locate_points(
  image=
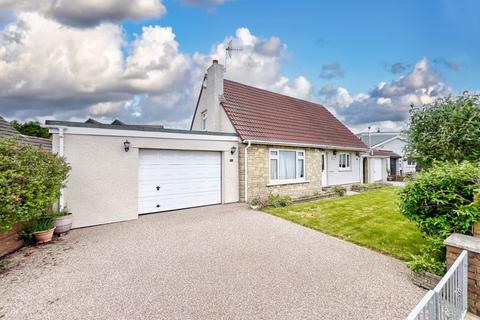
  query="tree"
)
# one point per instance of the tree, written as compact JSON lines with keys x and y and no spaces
{"x":446,"y":130}
{"x":31,"y":128}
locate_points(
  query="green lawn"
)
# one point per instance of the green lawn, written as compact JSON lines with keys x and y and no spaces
{"x":370,"y":219}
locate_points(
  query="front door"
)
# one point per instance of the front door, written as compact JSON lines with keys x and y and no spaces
{"x":323,"y":161}
{"x":393,"y":166}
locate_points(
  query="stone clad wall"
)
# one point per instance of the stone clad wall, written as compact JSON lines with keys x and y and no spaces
{"x":258,"y":173}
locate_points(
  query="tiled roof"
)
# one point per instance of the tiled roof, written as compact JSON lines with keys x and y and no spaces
{"x":262,"y":115}
{"x":384,"y":153}
{"x":7,"y":131}
{"x":378,"y":137}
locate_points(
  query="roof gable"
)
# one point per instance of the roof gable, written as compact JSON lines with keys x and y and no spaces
{"x":378,"y":138}
{"x":266,"y":116}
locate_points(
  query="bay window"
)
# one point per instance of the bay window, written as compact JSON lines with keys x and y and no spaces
{"x":287,"y":165}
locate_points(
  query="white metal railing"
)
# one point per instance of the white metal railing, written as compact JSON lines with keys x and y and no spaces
{"x":448,"y":300}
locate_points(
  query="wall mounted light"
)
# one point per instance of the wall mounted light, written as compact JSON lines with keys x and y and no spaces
{"x":126,"y":145}
{"x":233,"y":149}
{"x":334,"y":152}
{"x":357,"y":153}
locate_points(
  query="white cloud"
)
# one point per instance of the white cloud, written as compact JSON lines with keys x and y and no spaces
{"x":258,"y":63}
{"x":387,"y":104}
{"x":47,"y":68}
{"x":52,"y":70}
{"x":87,"y":13}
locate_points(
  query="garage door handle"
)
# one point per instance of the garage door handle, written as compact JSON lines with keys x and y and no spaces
{"x":158,"y":188}
{"x":158,"y":206}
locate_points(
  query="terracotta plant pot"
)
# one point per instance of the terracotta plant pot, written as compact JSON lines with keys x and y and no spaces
{"x":44,"y":236}
{"x":63,"y":223}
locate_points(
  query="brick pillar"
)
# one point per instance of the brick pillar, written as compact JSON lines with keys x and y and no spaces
{"x":476,"y":229}
{"x":456,"y":243}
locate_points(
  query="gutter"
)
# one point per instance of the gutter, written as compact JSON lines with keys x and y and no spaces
{"x":245,"y":166}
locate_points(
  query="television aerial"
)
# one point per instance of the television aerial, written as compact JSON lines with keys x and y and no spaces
{"x":228,"y":52}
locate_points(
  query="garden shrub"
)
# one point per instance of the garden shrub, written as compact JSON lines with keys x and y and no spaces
{"x":276,"y":200}
{"x":358,"y":187}
{"x":441,"y":201}
{"x":340,"y":190}
{"x":30,"y":181}
{"x":260,"y":201}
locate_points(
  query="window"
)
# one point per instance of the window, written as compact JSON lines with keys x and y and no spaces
{"x":204,"y":120}
{"x":410,"y":163}
{"x":287,"y":165}
{"x":344,"y":161}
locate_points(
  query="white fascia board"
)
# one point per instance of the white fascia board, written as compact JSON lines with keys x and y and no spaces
{"x":305,"y":145}
{"x":139,"y":133}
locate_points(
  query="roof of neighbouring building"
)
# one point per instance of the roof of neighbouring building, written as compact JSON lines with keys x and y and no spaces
{"x":261,"y":115}
{"x":384,"y":153}
{"x":117,"y":122}
{"x":377,"y":138}
{"x":134,"y":127}
{"x":7,"y":131}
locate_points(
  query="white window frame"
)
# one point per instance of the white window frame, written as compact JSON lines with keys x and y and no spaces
{"x":411,"y":163}
{"x":347,"y":156}
{"x":299,"y":155}
{"x":204,"y":120}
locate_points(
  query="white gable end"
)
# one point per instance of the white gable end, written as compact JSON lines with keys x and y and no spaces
{"x":209,"y":114}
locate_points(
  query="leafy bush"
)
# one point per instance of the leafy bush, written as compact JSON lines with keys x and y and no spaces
{"x":30,"y":181}
{"x":446,"y":130}
{"x":441,"y":200}
{"x":431,"y":258}
{"x":276,"y":200}
{"x":340,"y":190}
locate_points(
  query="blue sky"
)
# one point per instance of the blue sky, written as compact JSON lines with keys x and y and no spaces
{"x":361,"y":35}
{"x":367,"y":61}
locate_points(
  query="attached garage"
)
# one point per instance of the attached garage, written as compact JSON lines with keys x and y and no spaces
{"x":121,"y":171}
{"x":176,"y":179}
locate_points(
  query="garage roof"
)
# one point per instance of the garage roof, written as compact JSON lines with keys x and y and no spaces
{"x":148,"y":128}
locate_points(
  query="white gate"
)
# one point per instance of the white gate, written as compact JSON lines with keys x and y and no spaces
{"x":448,"y":300}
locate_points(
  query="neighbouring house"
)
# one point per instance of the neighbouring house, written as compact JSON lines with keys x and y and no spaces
{"x":398,"y":164}
{"x":243,"y":142}
{"x":377,"y":165}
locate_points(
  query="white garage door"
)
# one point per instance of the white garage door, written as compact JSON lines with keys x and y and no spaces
{"x":170,"y":179}
{"x":377,"y":169}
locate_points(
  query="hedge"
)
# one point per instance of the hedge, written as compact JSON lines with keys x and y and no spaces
{"x":30,"y":181}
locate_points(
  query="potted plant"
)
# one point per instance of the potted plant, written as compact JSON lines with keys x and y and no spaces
{"x":63,"y":221}
{"x":42,"y":228}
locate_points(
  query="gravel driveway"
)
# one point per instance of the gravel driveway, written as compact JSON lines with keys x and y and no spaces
{"x":219,"y":262}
